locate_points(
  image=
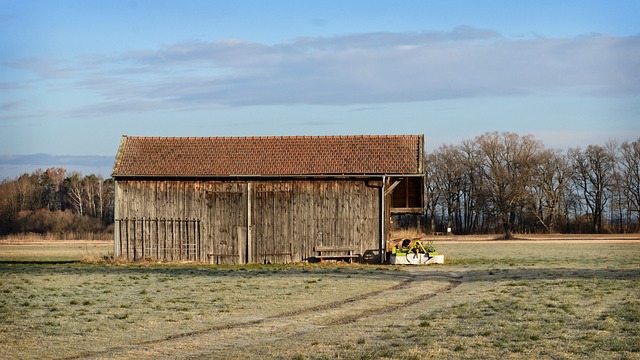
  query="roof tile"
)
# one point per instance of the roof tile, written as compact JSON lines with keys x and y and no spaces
{"x":269,"y":155}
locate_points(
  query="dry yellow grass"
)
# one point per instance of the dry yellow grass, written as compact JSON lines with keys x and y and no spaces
{"x":407,"y":234}
{"x":58,"y":251}
{"x":48,"y":237}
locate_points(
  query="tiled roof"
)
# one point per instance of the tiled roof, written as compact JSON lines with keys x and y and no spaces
{"x":269,"y":156}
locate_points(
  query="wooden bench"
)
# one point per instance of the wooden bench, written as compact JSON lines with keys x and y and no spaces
{"x":336,"y":252}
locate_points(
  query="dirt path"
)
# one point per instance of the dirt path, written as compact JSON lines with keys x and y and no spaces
{"x":221,"y":341}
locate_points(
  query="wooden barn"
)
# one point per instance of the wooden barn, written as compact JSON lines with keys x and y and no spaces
{"x":238,"y":200}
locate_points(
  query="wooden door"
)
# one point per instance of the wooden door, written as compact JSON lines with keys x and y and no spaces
{"x":272,"y":223}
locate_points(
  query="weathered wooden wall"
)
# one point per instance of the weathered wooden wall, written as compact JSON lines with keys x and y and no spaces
{"x":199,"y":219}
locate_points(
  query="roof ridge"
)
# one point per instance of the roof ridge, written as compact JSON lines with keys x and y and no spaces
{"x":347,"y":136}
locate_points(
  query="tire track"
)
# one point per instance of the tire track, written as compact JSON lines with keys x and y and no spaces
{"x":290,"y":318}
{"x":244,"y":324}
{"x":383,"y":310}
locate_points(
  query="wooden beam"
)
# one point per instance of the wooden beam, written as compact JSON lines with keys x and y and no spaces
{"x":393,"y":186}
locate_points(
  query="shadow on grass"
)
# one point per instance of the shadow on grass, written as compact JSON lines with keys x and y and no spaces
{"x":378,"y":271}
{"x":550,"y":274}
{"x":184,"y":270}
{"x":39,"y":262}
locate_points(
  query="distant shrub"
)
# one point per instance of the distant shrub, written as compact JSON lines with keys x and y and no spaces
{"x":44,"y":221}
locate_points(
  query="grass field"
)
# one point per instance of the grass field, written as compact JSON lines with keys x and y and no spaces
{"x":519,"y":299}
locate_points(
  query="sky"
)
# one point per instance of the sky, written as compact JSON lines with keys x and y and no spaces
{"x":77,"y":75}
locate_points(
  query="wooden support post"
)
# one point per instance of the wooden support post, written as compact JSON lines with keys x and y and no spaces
{"x":249,"y":222}
{"x":135,"y":245}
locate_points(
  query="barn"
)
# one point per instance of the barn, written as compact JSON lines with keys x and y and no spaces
{"x":271,"y":199}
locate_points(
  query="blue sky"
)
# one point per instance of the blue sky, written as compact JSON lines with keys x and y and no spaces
{"x":76,"y":75}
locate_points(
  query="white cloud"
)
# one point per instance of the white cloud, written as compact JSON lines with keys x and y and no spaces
{"x":44,"y":68}
{"x":371,"y":68}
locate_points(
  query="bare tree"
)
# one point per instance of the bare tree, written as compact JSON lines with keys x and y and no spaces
{"x":51,"y":181}
{"x":28,"y":191}
{"x":9,"y":207}
{"x":431,"y":193}
{"x":630,"y":174}
{"x":473,"y":199}
{"x":76,"y":193}
{"x":40,"y":202}
{"x":108,"y":200}
{"x":593,"y":171}
{"x":509,"y":162}
{"x":93,"y":195}
{"x":448,"y":175}
{"x":100,"y":193}
{"x":550,"y":181}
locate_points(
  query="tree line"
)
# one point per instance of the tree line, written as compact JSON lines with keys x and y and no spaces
{"x":495,"y":183}
{"x":52,"y":201}
{"x":504,"y":183}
